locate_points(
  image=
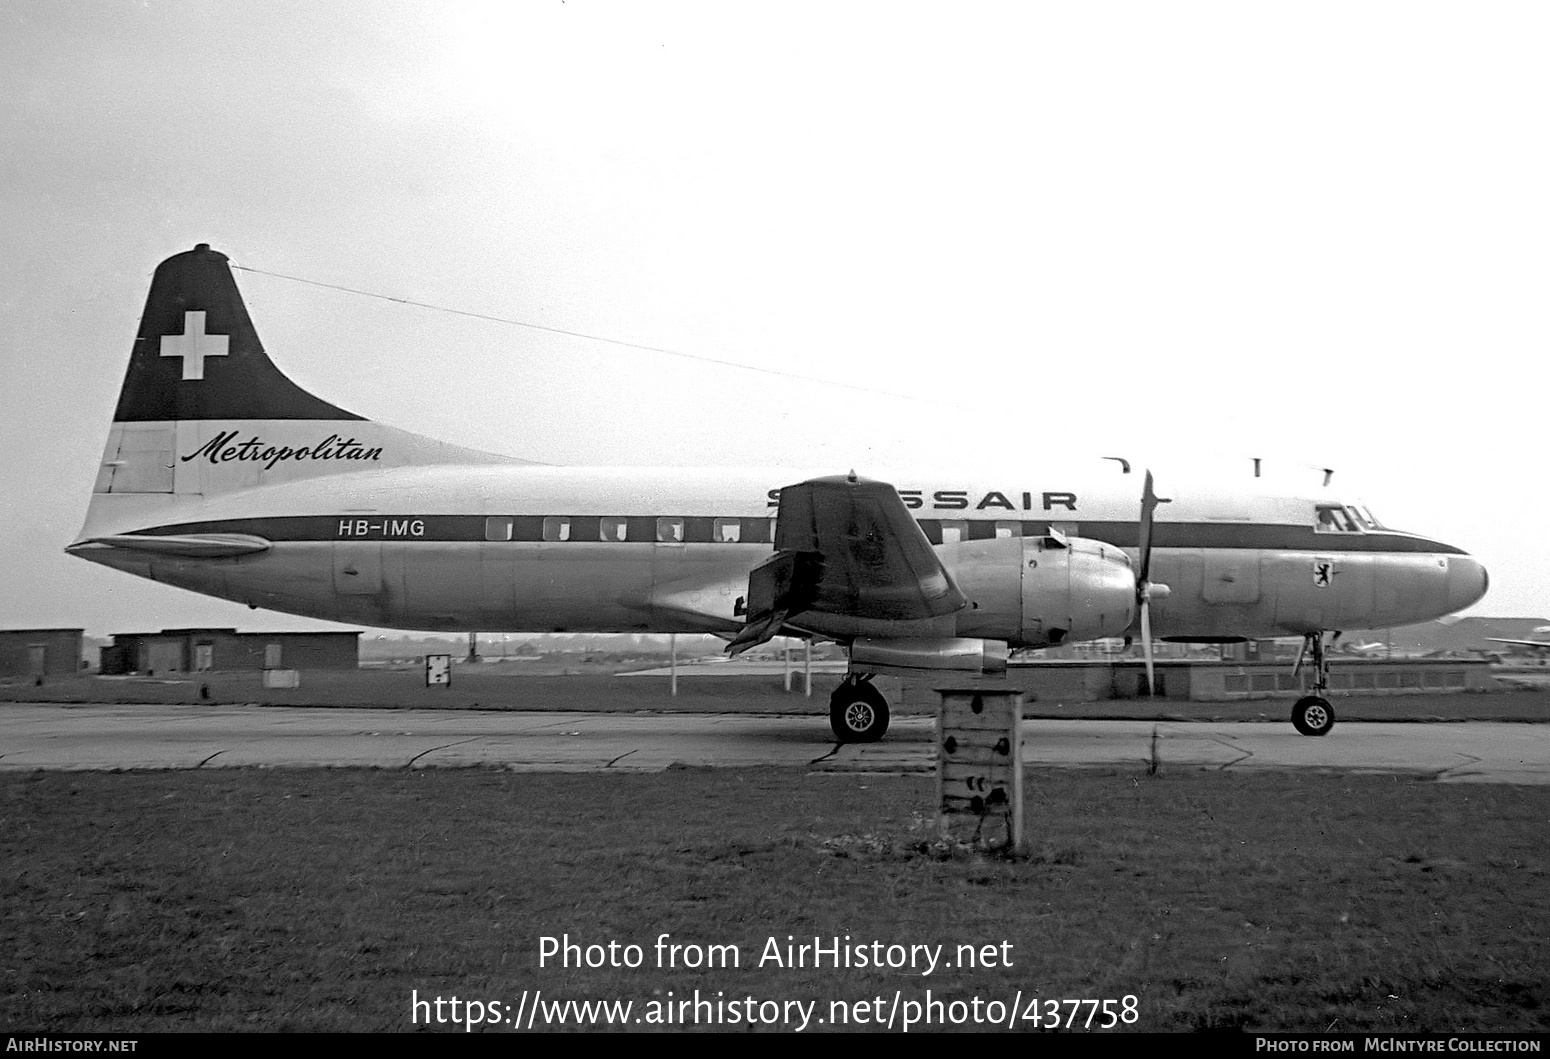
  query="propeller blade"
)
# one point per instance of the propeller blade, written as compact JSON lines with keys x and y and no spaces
{"x":1144,"y":587}
{"x":1146,"y":644}
{"x":1149,"y":503}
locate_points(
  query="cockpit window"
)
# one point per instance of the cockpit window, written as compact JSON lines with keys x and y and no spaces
{"x":1332,"y":518}
{"x":1367,"y":518}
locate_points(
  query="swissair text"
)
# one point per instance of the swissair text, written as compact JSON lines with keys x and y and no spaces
{"x":958,"y":500}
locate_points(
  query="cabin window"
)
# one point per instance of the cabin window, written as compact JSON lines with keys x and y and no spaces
{"x":952,"y":531}
{"x":556,"y":528}
{"x":1009,"y":529}
{"x":498,"y":528}
{"x":727,"y":530}
{"x":612,"y":528}
{"x":670,"y":530}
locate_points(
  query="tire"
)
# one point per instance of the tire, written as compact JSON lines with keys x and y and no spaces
{"x":858,"y":713}
{"x":1313,"y":715}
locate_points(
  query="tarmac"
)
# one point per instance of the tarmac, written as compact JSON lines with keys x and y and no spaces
{"x":117,"y":737}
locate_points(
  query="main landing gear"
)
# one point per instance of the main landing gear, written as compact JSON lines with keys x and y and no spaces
{"x":1312,"y":714}
{"x":858,"y":713}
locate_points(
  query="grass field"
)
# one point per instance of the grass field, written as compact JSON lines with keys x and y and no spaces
{"x":292,"y":899}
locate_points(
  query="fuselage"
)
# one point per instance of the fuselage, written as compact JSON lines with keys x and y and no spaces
{"x":505,"y":548}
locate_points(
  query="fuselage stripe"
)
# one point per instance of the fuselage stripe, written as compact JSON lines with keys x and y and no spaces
{"x":707,"y":529}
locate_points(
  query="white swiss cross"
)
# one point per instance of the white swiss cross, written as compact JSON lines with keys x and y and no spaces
{"x":193,"y":345}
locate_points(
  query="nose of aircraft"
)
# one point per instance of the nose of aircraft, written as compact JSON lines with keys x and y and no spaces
{"x":1467,"y":582}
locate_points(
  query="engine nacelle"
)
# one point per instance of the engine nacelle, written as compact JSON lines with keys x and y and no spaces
{"x":960,"y":653}
{"x":1084,"y":590}
{"x":1041,"y":591}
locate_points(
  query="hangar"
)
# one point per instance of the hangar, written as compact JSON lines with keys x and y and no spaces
{"x":40,"y":652}
{"x":202,"y":650}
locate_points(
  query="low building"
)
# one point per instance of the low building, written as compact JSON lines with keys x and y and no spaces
{"x":204,"y":650}
{"x":40,"y":652}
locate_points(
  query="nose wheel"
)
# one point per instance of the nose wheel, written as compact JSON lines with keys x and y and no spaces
{"x":1313,"y":715}
{"x":858,"y":713}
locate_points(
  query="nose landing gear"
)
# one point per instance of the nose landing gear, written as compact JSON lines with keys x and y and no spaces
{"x":1312,"y":714}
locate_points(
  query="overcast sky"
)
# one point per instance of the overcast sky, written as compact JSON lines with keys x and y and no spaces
{"x":1314,"y":233}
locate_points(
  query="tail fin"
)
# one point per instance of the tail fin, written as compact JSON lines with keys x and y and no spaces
{"x":197,"y":356}
{"x":204,"y":411}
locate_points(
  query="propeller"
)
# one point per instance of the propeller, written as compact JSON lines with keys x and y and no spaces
{"x":1145,"y":590}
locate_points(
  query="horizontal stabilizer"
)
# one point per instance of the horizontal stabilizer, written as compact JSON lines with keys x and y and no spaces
{"x":188,"y":546}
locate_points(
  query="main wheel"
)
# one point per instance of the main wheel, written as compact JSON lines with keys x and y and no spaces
{"x":1313,"y":715}
{"x":858,"y":713}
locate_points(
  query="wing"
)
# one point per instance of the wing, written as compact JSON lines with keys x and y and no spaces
{"x":846,"y":546}
{"x":1521,"y":643}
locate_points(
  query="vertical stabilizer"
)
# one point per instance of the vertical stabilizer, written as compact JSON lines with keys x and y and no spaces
{"x":204,"y":411}
{"x":198,"y":357}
